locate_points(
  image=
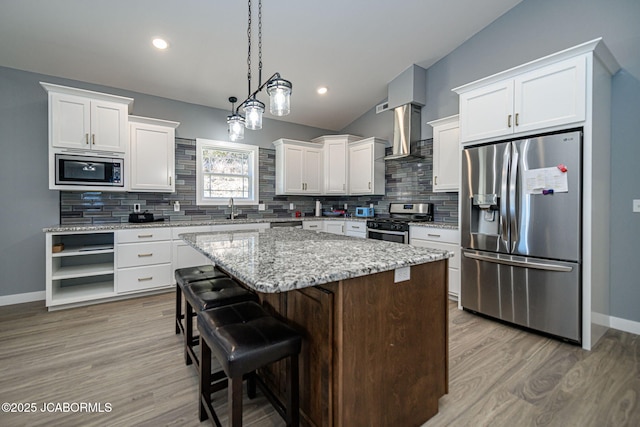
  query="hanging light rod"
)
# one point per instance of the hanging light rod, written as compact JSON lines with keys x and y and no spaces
{"x":279,"y":91}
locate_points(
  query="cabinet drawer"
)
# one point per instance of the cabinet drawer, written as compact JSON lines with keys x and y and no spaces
{"x":137,"y":254}
{"x":436,"y":234}
{"x":312,"y":225}
{"x":356,"y":227}
{"x":143,"y":235}
{"x":144,"y":278}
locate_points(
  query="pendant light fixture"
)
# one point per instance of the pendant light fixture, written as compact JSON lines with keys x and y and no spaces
{"x":235,"y":122}
{"x":278,"y":89}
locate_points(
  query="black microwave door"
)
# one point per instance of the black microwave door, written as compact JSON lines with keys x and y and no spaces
{"x":83,"y":171}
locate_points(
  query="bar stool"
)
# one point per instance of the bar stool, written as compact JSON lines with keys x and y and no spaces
{"x":191,"y":274}
{"x":243,"y":338}
{"x":204,"y":295}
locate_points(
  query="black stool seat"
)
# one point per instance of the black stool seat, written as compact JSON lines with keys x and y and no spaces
{"x":193,"y":274}
{"x":244,"y":337}
{"x":212,"y":293}
{"x":205,"y":295}
{"x":187,"y":275}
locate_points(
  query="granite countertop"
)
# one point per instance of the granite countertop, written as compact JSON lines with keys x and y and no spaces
{"x":279,"y":260}
{"x":61,"y":228}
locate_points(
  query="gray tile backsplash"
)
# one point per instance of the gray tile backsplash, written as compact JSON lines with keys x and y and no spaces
{"x":406,"y":180}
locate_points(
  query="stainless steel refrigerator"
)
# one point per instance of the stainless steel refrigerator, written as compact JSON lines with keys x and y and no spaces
{"x":521,"y":232}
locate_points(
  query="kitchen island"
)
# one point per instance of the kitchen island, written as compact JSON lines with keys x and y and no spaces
{"x":373,"y":316}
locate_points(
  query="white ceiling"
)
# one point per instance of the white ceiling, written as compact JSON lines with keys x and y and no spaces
{"x":354,"y":47}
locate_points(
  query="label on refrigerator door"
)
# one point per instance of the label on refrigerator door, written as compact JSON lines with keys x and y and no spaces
{"x":539,"y":180}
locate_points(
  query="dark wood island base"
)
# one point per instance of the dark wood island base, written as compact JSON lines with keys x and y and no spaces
{"x":374,"y":353}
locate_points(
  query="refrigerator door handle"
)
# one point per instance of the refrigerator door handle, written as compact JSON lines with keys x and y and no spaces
{"x":515,"y":263}
{"x":504,"y":231}
{"x":513,"y":201}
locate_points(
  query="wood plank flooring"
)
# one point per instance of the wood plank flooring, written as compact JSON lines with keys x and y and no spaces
{"x":126,"y":354}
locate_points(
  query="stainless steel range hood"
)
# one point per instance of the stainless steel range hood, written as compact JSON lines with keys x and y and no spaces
{"x":406,"y":129}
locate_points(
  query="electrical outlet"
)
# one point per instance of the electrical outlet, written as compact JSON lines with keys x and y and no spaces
{"x":291,"y":206}
{"x":636,"y":205}
{"x":261,"y":207}
{"x":346,"y":207}
{"x":176,"y":206}
{"x":136,"y":207}
{"x":401,"y":274}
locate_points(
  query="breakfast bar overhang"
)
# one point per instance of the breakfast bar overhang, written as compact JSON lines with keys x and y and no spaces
{"x":373,"y":315}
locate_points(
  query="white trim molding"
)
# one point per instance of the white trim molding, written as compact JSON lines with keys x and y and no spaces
{"x":22,"y":298}
{"x":625,"y":325}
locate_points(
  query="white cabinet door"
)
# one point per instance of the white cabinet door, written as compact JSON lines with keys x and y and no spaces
{"x":293,"y":169}
{"x":487,"y":112}
{"x":312,"y":173}
{"x":312,"y":225}
{"x":152,"y":165}
{"x":108,"y":126}
{"x":446,"y":154}
{"x":445,"y":239}
{"x":542,"y":98}
{"x":356,"y":229}
{"x":367,"y":167}
{"x":70,"y":121}
{"x":334,"y":227}
{"x":360,"y":169}
{"x":335,"y":170}
{"x":551,"y":96}
{"x":298,"y":167}
{"x":87,"y":124}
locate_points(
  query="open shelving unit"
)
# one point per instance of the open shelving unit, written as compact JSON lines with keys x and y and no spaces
{"x":83,"y":271}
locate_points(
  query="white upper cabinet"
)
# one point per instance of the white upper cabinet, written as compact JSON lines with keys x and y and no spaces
{"x":152,"y":154}
{"x":298,"y":167}
{"x":446,"y":154}
{"x":366,"y":167}
{"x":87,"y":121}
{"x":542,"y":98}
{"x":336,"y":162}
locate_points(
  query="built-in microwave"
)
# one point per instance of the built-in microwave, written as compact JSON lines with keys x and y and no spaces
{"x":89,"y":171}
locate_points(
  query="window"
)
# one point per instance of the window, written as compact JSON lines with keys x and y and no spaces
{"x":225,"y":170}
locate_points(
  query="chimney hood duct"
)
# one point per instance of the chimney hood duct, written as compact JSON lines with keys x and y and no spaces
{"x":407,"y":95}
{"x":406,"y":129}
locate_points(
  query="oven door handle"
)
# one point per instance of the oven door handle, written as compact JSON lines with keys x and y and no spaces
{"x":397,"y":233}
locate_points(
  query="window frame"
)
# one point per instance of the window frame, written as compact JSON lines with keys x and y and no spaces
{"x":254,"y":166}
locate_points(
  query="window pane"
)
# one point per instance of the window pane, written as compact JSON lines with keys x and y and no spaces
{"x":225,"y":162}
{"x":227,"y":186}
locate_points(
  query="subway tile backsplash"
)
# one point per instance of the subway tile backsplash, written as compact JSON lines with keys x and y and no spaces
{"x":406,"y":180}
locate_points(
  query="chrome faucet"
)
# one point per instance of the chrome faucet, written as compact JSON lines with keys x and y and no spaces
{"x":232,"y":206}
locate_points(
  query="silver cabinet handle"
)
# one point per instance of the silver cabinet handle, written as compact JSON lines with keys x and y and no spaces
{"x":145,"y":279}
{"x":369,"y":185}
{"x":509,"y":120}
{"x":144,"y":255}
{"x":435,"y":180}
{"x":517,"y":123}
{"x":93,"y":138}
{"x":144,"y":236}
{"x":86,"y":138}
{"x":433,"y":235}
{"x":355,"y":227}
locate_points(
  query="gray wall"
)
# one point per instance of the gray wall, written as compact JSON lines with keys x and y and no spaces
{"x":27,"y":204}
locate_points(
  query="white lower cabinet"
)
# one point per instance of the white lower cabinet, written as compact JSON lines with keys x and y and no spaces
{"x":356,"y":229}
{"x":445,"y":239}
{"x":82,"y":268}
{"x":334,"y":227}
{"x":143,"y":259}
{"x":184,"y":255}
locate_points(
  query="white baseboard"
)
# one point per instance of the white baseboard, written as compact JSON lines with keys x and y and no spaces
{"x":625,"y":325}
{"x":22,"y":298}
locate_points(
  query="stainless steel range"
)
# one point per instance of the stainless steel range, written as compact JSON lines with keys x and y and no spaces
{"x":396,"y":227}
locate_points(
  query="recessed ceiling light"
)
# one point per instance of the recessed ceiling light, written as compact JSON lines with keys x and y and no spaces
{"x":322,"y":90}
{"x":160,"y":43}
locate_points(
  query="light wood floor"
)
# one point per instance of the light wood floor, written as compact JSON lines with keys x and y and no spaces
{"x":127,"y":355}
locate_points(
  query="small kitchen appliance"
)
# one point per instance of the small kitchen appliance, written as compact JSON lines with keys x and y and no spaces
{"x":396,"y":227}
{"x":364,"y":212}
{"x":92,"y":171}
{"x":143,"y":217}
